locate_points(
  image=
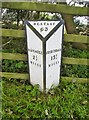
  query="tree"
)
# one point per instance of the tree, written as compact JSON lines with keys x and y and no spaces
{"x":71,"y":27}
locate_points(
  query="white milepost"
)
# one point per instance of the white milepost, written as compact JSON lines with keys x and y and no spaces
{"x":44,"y":46}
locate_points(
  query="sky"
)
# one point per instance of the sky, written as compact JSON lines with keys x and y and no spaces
{"x":83,"y":19}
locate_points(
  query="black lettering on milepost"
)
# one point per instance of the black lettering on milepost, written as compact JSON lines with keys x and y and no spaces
{"x":54,"y":57}
{"x":35,"y":57}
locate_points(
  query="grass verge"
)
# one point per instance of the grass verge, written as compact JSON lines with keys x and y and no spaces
{"x":68,"y":101}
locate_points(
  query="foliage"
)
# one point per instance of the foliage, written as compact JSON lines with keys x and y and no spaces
{"x":16,"y":45}
{"x":66,"y":101}
{"x":69,"y":51}
{"x":79,"y":71}
{"x":14,"y":66}
{"x":11,"y":18}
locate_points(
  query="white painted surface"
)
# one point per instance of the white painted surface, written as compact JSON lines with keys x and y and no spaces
{"x":35,"y":59}
{"x":53,"y":53}
{"x":53,"y":60}
{"x":44,"y":27}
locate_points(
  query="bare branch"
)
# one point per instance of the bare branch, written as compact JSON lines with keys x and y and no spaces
{"x":5,"y":44}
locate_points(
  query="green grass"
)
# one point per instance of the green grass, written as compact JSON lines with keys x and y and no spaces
{"x":68,"y":101}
